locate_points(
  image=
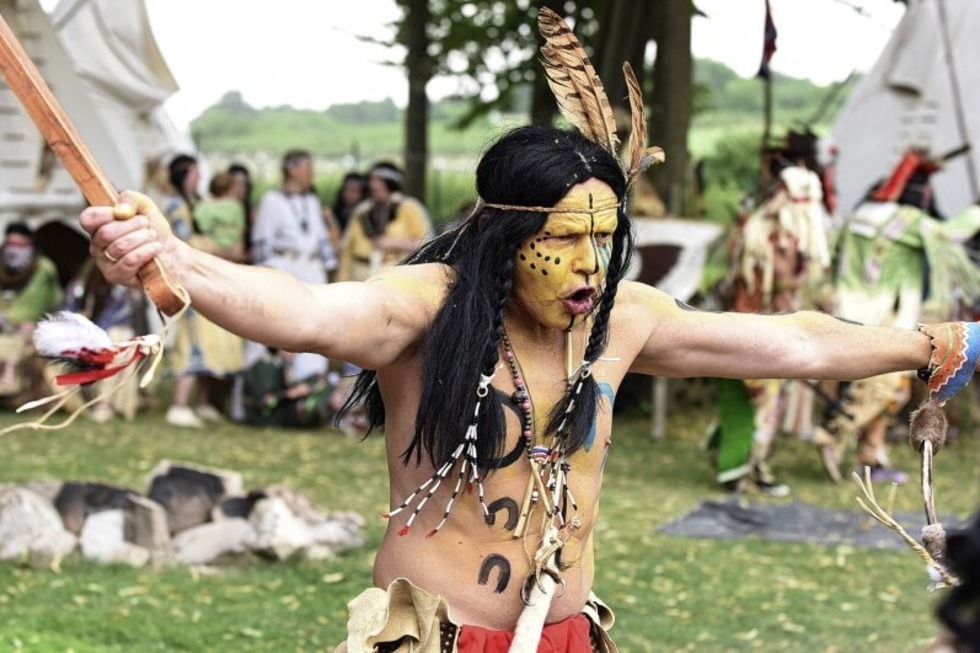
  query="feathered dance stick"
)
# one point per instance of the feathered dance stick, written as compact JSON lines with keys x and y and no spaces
{"x":88,"y":355}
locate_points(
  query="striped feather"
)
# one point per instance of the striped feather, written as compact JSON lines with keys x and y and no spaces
{"x":573,"y":80}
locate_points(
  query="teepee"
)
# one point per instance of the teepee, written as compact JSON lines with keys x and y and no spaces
{"x":101,"y":61}
{"x":924,"y":91}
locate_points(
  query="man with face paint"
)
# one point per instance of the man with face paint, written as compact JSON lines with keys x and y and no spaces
{"x":516,"y":329}
{"x":29,"y":288}
{"x":491,"y":360}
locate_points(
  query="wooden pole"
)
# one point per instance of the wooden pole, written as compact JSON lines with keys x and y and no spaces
{"x":48,"y":116}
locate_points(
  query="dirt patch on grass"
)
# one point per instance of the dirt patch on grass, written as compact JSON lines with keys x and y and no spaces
{"x":795,"y":522}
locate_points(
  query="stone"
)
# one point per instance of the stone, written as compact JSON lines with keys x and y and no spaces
{"x":31,"y":527}
{"x":298,"y":503}
{"x":231,"y":508}
{"x":76,"y":501}
{"x":145,"y":525}
{"x":279,"y":533}
{"x":189,"y":493}
{"x":231,"y":482}
{"x":102,"y":539}
{"x":205,"y":544}
{"x":47,"y":489}
{"x":337,"y":534}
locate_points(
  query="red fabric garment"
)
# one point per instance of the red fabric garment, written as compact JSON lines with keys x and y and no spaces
{"x":568,"y":636}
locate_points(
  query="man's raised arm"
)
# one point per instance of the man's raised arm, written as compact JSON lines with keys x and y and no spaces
{"x":368,"y":324}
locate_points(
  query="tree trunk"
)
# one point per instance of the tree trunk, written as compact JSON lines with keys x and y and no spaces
{"x":625,"y":28}
{"x":672,"y":99}
{"x":419,"y":67}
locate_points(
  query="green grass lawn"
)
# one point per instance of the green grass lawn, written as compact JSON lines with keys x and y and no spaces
{"x":669,"y":593}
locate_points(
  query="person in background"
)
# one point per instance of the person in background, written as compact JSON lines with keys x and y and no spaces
{"x":271,"y":398}
{"x":780,"y":248}
{"x":291,"y":235}
{"x":899,"y":265}
{"x":221,"y":218}
{"x":383,"y":229}
{"x":353,"y":190}
{"x":201,"y":350}
{"x":29,"y":288}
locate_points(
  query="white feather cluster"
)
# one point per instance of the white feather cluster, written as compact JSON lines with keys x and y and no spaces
{"x":69,"y":332}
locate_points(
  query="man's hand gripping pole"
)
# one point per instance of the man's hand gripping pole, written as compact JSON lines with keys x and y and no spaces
{"x":48,"y":116}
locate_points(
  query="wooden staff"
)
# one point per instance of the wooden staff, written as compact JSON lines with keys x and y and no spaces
{"x":48,"y":116}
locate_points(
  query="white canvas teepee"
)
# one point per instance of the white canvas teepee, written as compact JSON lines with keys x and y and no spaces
{"x":101,"y":61}
{"x":919,"y":93}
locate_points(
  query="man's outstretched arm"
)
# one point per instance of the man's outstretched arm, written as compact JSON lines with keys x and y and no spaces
{"x":369,"y":324}
{"x":808,"y":345}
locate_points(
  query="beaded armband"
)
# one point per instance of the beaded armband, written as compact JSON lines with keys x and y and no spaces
{"x":955,"y":350}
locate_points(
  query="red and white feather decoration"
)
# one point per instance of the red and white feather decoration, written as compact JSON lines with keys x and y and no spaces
{"x":86,"y":351}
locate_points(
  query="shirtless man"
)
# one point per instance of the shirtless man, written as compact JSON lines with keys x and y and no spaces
{"x":491,"y":360}
{"x":553,"y":295}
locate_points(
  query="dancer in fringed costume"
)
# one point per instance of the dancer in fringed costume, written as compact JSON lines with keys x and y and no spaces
{"x":490,"y":360}
{"x":899,"y":264}
{"x":781,"y":248}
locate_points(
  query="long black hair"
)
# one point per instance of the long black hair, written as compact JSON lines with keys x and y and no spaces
{"x":177,"y":171}
{"x":533,"y":166}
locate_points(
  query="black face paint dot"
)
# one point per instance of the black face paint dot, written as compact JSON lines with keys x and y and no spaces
{"x":544,"y":272}
{"x":523,"y":258}
{"x":557,"y":260}
{"x":533,"y":267}
{"x":547,"y":233}
{"x":532,"y":245}
{"x":539,"y":254}
{"x":547,"y":258}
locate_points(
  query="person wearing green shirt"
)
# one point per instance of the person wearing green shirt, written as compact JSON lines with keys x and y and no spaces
{"x":29,"y":288}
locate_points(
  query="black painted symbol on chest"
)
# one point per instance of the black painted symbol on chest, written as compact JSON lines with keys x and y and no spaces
{"x":507,"y":401}
{"x":503,"y":577}
{"x":503,"y":503}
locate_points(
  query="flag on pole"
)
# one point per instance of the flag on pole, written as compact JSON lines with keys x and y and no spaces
{"x":768,"y":44}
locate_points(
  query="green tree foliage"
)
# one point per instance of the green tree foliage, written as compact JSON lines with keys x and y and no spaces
{"x":490,"y":46}
{"x":721,"y":95}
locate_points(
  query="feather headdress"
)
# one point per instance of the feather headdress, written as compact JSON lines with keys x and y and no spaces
{"x":582,"y":98}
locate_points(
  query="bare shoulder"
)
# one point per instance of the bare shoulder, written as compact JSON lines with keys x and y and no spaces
{"x":646,"y":316}
{"x":416,"y":278}
{"x":638,"y":300}
{"x":421,"y":288}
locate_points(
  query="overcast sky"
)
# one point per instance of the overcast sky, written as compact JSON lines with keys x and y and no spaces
{"x":306,"y":53}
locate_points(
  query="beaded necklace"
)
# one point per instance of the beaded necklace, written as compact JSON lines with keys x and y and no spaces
{"x":548,"y":482}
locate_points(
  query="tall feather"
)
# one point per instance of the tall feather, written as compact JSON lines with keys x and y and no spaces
{"x":639,"y":156}
{"x":581,"y":97}
{"x":638,"y":129}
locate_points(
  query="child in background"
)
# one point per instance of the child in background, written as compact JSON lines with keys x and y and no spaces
{"x":221,"y":220}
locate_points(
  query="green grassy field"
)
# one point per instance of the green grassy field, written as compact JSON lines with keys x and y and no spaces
{"x":670,"y":593}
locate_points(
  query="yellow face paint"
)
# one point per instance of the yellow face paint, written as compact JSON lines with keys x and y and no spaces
{"x":559,"y":271}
